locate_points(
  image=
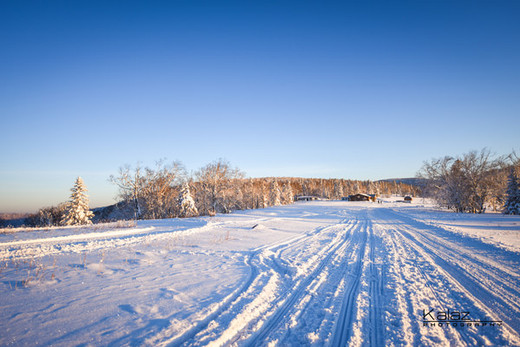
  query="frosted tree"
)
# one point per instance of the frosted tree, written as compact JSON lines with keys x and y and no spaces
{"x":338,"y":190}
{"x":239,"y":202}
{"x":78,"y":211}
{"x":356,"y":187}
{"x":274,"y":194}
{"x":186,"y":203}
{"x":263,"y":199}
{"x":150,"y":192}
{"x":463,"y":184}
{"x":287,"y":194}
{"x":130,"y":187}
{"x":215,"y":179}
{"x":512,"y":205}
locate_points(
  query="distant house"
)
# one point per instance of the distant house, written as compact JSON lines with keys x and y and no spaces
{"x":408,"y":199}
{"x":306,"y":198}
{"x":359,"y":197}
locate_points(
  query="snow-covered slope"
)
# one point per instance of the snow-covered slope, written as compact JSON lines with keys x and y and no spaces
{"x":324,"y":273}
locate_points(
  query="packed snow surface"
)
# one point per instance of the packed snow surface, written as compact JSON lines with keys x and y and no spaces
{"x":315,"y":273}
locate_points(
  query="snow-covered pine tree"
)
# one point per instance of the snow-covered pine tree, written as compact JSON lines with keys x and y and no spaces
{"x":338,"y":190}
{"x":274,"y":194}
{"x":78,"y":211}
{"x":512,"y":205}
{"x":186,"y":203}
{"x":263,"y":199}
{"x":287,"y":194}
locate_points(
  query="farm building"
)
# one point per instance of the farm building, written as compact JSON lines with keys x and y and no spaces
{"x":359,"y":197}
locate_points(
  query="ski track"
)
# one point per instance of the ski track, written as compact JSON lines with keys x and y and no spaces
{"x":457,"y":279}
{"x":284,"y":312}
{"x":268,"y":260}
{"x":362,"y":280}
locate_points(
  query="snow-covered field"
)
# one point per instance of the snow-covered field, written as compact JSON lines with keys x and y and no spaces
{"x":323,"y":273}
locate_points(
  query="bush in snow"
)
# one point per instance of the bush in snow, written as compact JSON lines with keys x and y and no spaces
{"x":78,"y":211}
{"x":49,"y":216}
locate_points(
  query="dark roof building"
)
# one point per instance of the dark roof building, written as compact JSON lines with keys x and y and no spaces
{"x":359,"y":197}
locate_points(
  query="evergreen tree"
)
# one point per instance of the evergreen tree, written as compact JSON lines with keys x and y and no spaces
{"x":287,"y":194}
{"x":338,"y":190}
{"x":274,"y":194}
{"x":186,"y":203}
{"x":78,"y":211}
{"x":512,"y":205}
{"x":264,"y":201}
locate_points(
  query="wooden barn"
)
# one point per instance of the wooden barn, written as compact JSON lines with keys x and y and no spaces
{"x":359,"y":197}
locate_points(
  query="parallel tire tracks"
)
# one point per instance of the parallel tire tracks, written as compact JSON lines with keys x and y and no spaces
{"x":284,"y":310}
{"x":504,"y":305}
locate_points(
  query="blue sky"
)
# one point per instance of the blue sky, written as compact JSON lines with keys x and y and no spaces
{"x":361,"y":90}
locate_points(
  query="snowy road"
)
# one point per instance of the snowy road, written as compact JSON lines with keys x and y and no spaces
{"x":323,"y":273}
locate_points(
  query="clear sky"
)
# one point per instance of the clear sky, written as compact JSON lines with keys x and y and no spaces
{"x":361,"y":90}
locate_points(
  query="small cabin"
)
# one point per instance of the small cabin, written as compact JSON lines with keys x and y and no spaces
{"x":306,"y":198}
{"x":359,"y":197}
{"x":408,"y":199}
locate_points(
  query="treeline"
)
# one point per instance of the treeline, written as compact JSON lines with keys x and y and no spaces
{"x":472,"y":182}
{"x":155,"y":193}
{"x":167,"y":190}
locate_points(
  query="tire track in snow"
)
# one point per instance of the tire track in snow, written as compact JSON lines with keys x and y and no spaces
{"x":420,"y":292}
{"x":203,"y":324}
{"x":343,"y":331}
{"x":376,"y":293}
{"x":241,"y":299}
{"x":282,"y":314}
{"x":232,"y":300}
{"x":313,"y":315}
{"x":188,"y":336}
{"x":399,"y":258}
{"x":446,"y":259}
{"x":483,"y":267}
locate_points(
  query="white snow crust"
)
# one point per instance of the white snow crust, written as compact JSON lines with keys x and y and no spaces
{"x":312,"y":273}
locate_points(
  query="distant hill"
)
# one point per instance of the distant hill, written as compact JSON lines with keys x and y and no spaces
{"x":413,"y":181}
{"x":12,"y":219}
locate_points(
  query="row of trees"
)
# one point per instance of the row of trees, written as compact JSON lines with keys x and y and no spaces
{"x":471,"y":182}
{"x":167,"y":191}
